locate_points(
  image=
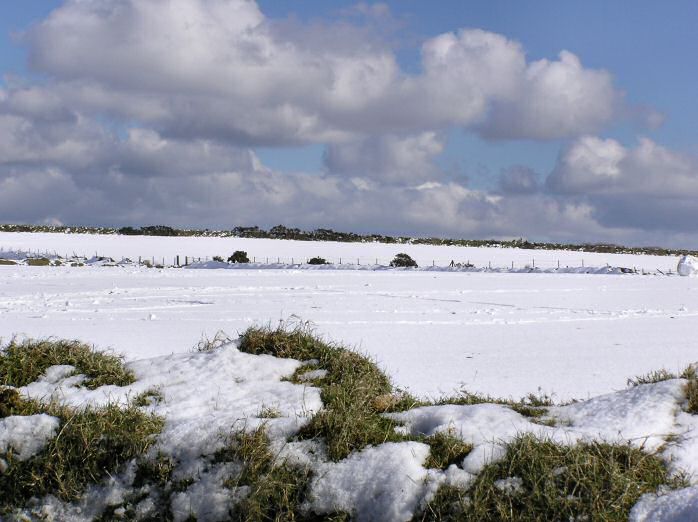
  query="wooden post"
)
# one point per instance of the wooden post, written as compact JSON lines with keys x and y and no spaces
{"x":177,"y":260}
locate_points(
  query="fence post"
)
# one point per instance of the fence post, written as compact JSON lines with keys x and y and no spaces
{"x":177,"y":260}
{"x":357,"y":261}
{"x":558,"y":264}
{"x":340,"y":260}
{"x":432,"y":262}
{"x":489,"y":265}
{"x":512,"y":265}
{"x":534,"y":262}
{"x":582,"y":262}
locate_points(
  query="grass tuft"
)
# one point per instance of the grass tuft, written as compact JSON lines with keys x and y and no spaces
{"x":351,"y":418}
{"x":91,"y":444}
{"x":547,"y":481}
{"x":23,"y":362}
{"x":446,"y":449}
{"x":652,"y":377}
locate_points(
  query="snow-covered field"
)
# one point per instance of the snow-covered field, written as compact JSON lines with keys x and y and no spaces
{"x":271,"y":250}
{"x":506,"y":334}
{"x":434,"y":332}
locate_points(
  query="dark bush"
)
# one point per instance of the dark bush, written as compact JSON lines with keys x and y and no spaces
{"x":317,"y":261}
{"x":404,"y":261}
{"x":219,"y":259}
{"x":239,"y":257}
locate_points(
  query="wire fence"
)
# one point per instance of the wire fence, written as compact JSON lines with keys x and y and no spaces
{"x":178,"y":261}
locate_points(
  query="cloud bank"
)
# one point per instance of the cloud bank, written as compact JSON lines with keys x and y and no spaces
{"x":151,"y":111}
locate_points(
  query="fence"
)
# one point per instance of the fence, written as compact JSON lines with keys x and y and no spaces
{"x":178,"y":261}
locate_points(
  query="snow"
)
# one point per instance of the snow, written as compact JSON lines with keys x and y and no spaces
{"x":688,"y":266}
{"x":25,"y":436}
{"x":385,"y":482}
{"x":203,"y":395}
{"x":271,"y":250}
{"x":674,"y":506}
{"x":435,"y":331}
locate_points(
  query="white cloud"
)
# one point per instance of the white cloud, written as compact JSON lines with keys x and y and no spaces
{"x":221,"y":69}
{"x":149,"y":112}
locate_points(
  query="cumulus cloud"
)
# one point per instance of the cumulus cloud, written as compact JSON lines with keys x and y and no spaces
{"x":646,"y":187}
{"x":221,"y":69}
{"x":150,"y":111}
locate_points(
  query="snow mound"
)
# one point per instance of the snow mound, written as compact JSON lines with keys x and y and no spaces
{"x":688,"y":266}
{"x":25,"y":436}
{"x":384,"y":482}
{"x":676,"y":506}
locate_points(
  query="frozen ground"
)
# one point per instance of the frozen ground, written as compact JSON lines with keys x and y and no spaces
{"x":433,"y":332}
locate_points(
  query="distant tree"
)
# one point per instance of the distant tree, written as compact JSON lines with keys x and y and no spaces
{"x":239,"y":257}
{"x":403,"y":260}
{"x":317,"y":261}
{"x":218,"y":258}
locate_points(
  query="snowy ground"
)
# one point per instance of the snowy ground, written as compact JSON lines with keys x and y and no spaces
{"x":270,"y":250}
{"x":504,"y":334}
{"x":433,"y":332}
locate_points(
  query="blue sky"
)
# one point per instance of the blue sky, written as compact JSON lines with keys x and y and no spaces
{"x":634,"y":67}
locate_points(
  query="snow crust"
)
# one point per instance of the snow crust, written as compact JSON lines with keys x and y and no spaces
{"x":385,"y":482}
{"x":25,"y":436}
{"x":674,"y":506}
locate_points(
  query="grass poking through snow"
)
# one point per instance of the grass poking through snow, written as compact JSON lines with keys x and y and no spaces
{"x":350,"y":419}
{"x":540,"y":480}
{"x":23,"y":362}
{"x":90,"y":443}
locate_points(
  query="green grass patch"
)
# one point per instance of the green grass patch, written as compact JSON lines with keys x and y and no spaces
{"x":446,"y":449}
{"x":90,"y":445}
{"x":23,"y":362}
{"x":350,"y":419}
{"x":541,"y":480}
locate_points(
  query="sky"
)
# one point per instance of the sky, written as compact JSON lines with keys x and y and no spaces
{"x":547,"y":120}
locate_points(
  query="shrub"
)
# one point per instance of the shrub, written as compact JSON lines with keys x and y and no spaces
{"x":219,"y":259}
{"x":404,"y":261}
{"x":317,"y":261}
{"x":239,"y":256}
